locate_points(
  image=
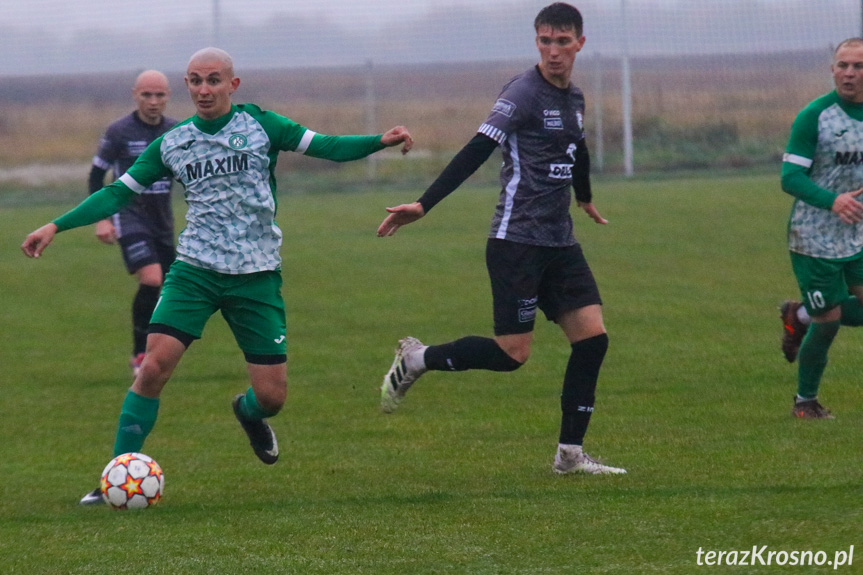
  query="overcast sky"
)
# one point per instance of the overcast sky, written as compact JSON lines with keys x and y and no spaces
{"x":66,"y":15}
{"x":50,"y":36}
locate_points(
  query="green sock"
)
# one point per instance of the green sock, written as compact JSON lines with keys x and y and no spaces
{"x":137,"y":418}
{"x":812,"y":358}
{"x":251,"y":409}
{"x":852,"y":312}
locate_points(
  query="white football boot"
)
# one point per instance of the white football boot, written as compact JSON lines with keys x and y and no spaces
{"x":572,"y":459}
{"x":407,"y":367}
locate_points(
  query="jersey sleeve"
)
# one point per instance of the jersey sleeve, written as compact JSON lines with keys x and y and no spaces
{"x":106,"y":154}
{"x":506,"y":114}
{"x":803,"y":138}
{"x":96,"y":179}
{"x":798,"y":159}
{"x":341,"y":148}
{"x":104,"y":203}
{"x":581,"y":173}
{"x":461,"y":167}
{"x":287,"y":135}
{"x":108,"y":151}
{"x":147,"y":169}
{"x":284,"y":134}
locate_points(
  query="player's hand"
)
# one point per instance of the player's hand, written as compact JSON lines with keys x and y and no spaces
{"x":106,"y":232}
{"x":400,"y":216}
{"x":396,"y":136}
{"x":590,"y":210}
{"x":848,"y":208}
{"x":37,"y":241}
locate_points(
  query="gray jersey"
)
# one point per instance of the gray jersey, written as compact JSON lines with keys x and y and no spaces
{"x":150,"y":213}
{"x":539,"y":128}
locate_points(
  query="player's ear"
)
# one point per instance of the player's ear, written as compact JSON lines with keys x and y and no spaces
{"x":580,"y":43}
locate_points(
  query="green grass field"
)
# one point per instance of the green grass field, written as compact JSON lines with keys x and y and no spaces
{"x":694,"y":401}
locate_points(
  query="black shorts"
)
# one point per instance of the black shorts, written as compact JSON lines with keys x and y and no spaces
{"x":526,"y":277}
{"x":141,"y":250}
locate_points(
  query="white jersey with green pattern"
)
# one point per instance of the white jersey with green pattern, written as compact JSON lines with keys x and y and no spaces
{"x":826,"y":143}
{"x":227,"y":166}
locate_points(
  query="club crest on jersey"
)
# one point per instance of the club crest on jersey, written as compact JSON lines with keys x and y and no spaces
{"x":504,"y":107}
{"x":237,"y":141}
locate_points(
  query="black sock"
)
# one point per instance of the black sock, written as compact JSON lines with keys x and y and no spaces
{"x":579,"y":387}
{"x":471,"y":352}
{"x":142,"y":309}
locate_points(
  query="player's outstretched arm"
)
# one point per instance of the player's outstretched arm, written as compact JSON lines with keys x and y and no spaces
{"x":400,"y":216}
{"x":38,"y":240}
{"x":396,"y":136}
{"x":463,"y":164}
{"x":591,"y":211}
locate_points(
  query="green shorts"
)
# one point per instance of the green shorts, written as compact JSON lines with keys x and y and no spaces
{"x":252,"y":305}
{"x":824,"y":283}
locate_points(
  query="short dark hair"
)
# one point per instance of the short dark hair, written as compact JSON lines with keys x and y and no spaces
{"x":560,"y":16}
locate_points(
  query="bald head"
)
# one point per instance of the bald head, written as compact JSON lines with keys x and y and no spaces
{"x":211,"y":82}
{"x":213,"y":56}
{"x":151,"y":93}
{"x":151,"y":78}
{"x":855,"y":42}
{"x":847,"y":70}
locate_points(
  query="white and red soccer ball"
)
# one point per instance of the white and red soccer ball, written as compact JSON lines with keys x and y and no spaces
{"x":132,"y":481}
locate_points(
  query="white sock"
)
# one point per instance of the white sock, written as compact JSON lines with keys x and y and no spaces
{"x":571,"y":449}
{"x":803,"y":315}
{"x":416,"y":361}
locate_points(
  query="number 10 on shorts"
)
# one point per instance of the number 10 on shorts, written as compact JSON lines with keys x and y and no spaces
{"x":816,"y":300}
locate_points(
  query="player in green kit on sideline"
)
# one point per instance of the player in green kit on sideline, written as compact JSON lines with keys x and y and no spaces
{"x":228,"y":254}
{"x":823,"y":169}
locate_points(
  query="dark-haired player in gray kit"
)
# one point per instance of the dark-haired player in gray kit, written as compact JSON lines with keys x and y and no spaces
{"x":532,"y":256}
{"x":145,"y":228}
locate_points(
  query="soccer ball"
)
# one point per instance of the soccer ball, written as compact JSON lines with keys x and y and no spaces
{"x":132,"y":481}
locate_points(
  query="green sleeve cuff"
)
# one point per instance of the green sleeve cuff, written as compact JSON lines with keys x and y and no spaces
{"x":98,"y":206}
{"x":344,"y":148}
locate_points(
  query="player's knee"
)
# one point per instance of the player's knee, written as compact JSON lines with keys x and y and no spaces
{"x":512,"y":358}
{"x":270,"y":383}
{"x":273,"y":399}
{"x":151,"y":377}
{"x":516,"y":357}
{"x":512,"y":364}
{"x":150,"y":276}
{"x":515,"y":353}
